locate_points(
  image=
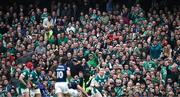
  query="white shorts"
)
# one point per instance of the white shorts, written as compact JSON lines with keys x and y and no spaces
{"x":73,"y":93}
{"x":24,"y":91}
{"x":33,"y":92}
{"x":61,"y":87}
{"x":36,"y":91}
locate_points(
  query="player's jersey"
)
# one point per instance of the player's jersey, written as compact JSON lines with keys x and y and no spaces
{"x":61,"y":73}
{"x":34,"y":77}
{"x":26,"y":74}
{"x":72,"y":85}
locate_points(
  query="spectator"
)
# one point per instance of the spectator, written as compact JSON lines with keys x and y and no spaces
{"x":40,"y":49}
{"x":155,"y":50}
{"x":44,"y":14}
{"x":48,"y":23}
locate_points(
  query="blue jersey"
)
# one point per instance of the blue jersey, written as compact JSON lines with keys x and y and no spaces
{"x":61,"y":73}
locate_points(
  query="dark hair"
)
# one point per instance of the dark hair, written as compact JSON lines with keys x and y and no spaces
{"x":63,"y":59}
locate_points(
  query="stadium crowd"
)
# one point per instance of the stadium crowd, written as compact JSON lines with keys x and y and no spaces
{"x":121,"y":52}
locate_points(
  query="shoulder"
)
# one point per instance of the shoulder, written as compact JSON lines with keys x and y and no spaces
{"x":32,"y":72}
{"x":106,"y":77}
{"x":45,"y":18}
{"x":61,"y":66}
{"x":66,"y":67}
{"x":24,"y":72}
{"x":96,"y":77}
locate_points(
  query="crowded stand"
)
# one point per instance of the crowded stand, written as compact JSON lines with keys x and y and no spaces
{"x":77,"y":50}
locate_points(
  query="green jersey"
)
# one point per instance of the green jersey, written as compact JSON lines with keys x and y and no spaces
{"x":1,"y":36}
{"x":92,"y":63}
{"x":118,"y":91}
{"x":51,"y":41}
{"x":34,"y":77}
{"x":148,"y":65}
{"x":26,"y":74}
{"x":101,"y":81}
{"x":43,"y":16}
{"x":163,"y":73}
{"x":32,"y":19}
{"x":12,"y":70}
{"x":60,"y":40}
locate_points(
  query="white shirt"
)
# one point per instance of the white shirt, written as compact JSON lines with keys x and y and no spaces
{"x":70,"y":29}
{"x":47,"y":23}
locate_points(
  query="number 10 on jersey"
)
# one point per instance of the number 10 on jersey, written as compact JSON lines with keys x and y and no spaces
{"x":59,"y":74}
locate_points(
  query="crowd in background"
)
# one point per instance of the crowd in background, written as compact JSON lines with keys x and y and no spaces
{"x":138,"y":50}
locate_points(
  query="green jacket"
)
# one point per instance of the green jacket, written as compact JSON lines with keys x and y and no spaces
{"x":94,"y":61}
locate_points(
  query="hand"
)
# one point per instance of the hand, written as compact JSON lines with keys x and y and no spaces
{"x":174,"y":65}
{"x":97,"y":85}
{"x":28,"y":85}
